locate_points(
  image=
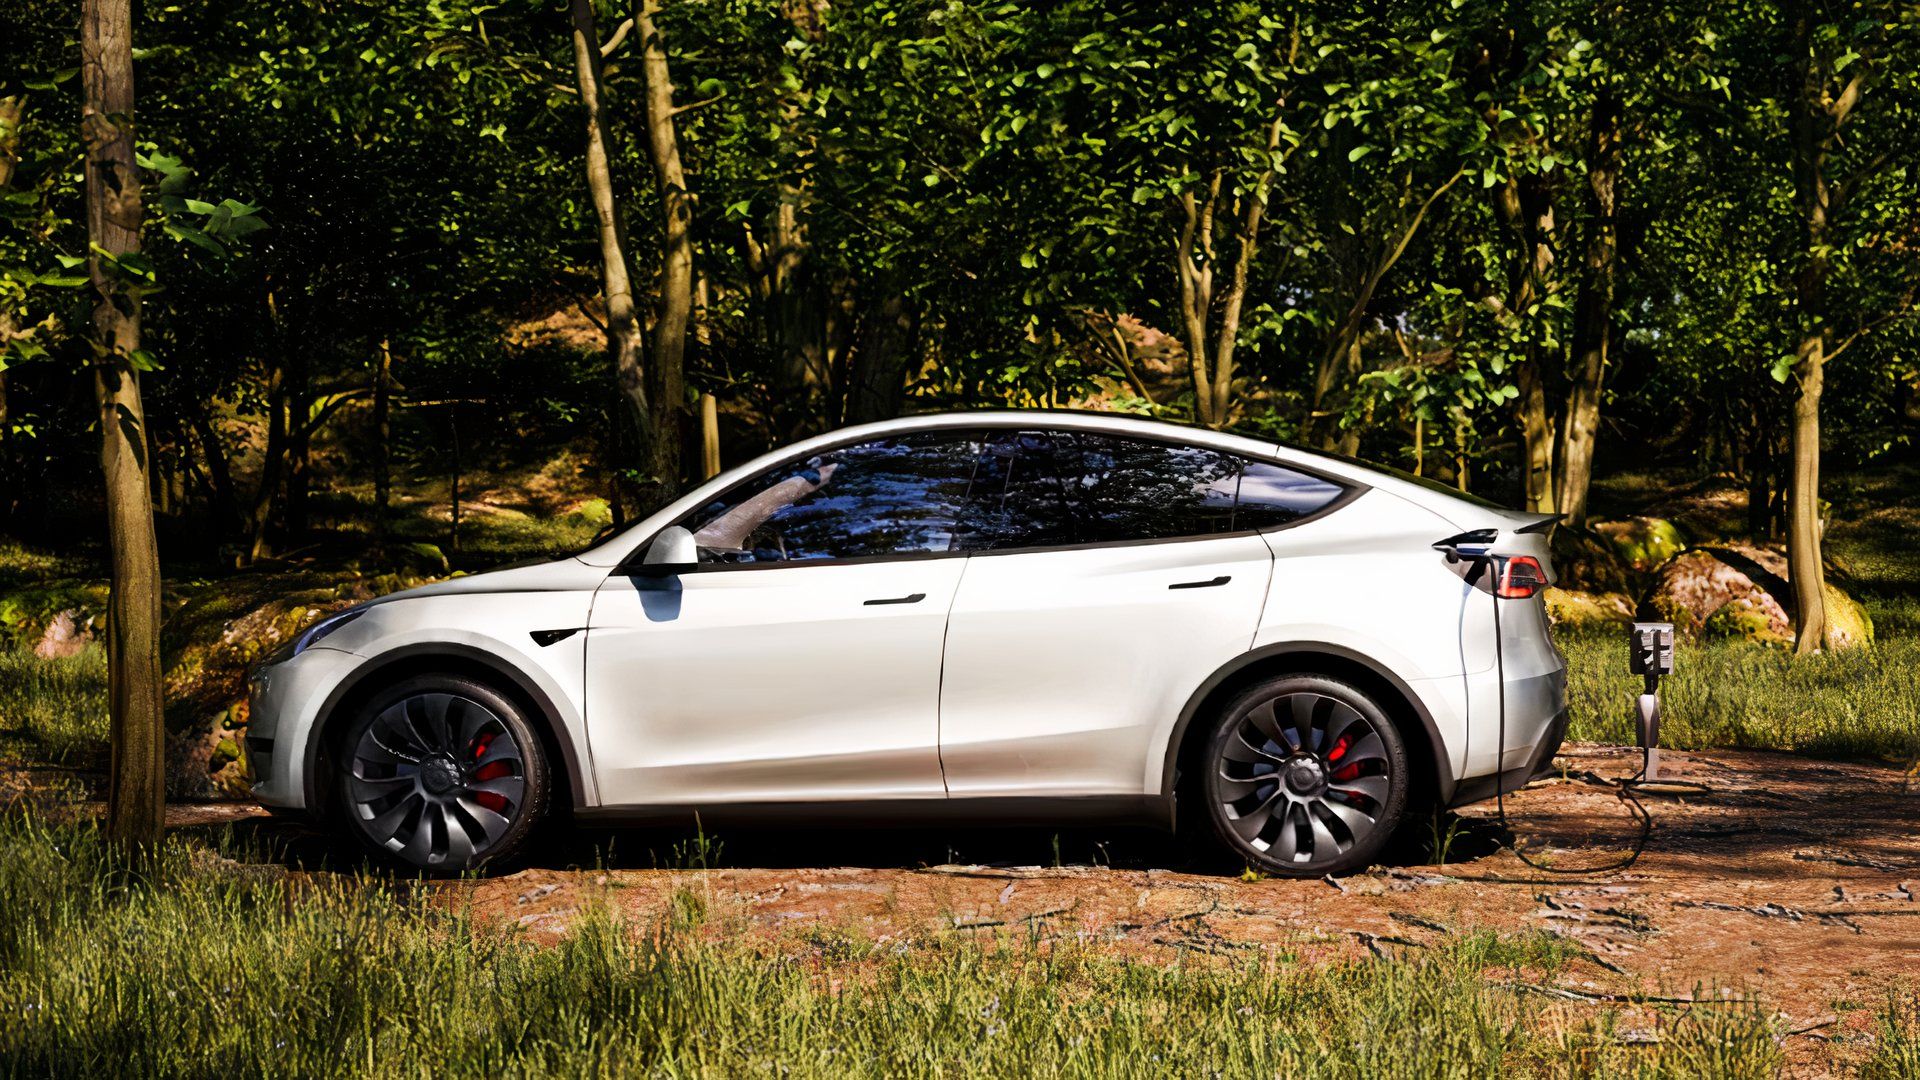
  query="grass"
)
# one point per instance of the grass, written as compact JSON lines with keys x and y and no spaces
{"x":59,"y":707}
{"x":1737,"y":694}
{"x":194,"y":966}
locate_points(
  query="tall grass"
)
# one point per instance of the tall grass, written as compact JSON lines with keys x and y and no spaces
{"x":1739,"y":694}
{"x":196,"y":967}
{"x":58,"y":706}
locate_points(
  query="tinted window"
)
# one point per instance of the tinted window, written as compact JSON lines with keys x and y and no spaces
{"x":888,"y":497}
{"x":1017,"y":499}
{"x":1129,"y":489}
{"x":1274,"y":495}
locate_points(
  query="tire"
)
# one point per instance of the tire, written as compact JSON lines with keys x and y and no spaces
{"x":1303,"y":776}
{"x":442,"y":774}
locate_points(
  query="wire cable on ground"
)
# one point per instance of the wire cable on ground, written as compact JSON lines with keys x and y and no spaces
{"x":1628,"y":789}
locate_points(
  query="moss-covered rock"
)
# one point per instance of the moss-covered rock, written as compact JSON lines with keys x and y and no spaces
{"x":1848,"y":624}
{"x":1585,"y":561}
{"x":1741,"y":590}
{"x":1572,"y":609}
{"x":1743,"y":620}
{"x":210,"y":643}
{"x":1644,"y":543}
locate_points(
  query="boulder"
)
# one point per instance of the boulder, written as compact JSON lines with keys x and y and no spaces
{"x":65,"y":636}
{"x":209,"y":646}
{"x":1740,"y":590}
{"x":1585,"y":561}
{"x":1644,"y":543}
{"x":1572,"y":609}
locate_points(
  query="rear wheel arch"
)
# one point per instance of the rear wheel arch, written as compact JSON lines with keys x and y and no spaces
{"x":1432,"y":772}
{"x":392,"y":668}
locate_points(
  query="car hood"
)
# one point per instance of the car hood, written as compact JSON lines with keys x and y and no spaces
{"x":560,"y":575}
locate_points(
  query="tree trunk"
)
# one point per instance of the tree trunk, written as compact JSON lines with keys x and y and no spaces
{"x":1804,"y":568}
{"x":453,"y":430}
{"x":1536,"y":436}
{"x":666,"y":382}
{"x":1593,"y":311}
{"x":1818,"y":113}
{"x":1341,"y":351}
{"x":136,"y":785}
{"x":299,"y":474}
{"x":709,"y":437}
{"x":11,"y":110}
{"x":877,"y":387}
{"x":624,"y":343}
{"x":226,"y":506}
{"x":382,"y":441}
{"x":272,"y":459}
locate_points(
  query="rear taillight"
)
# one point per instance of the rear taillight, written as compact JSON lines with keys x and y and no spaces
{"x":1521,"y":578}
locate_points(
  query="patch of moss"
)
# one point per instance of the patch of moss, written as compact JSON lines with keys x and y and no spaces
{"x":1740,"y":620}
{"x":1643,"y":542}
{"x":1848,"y":625}
{"x":1572,"y":609}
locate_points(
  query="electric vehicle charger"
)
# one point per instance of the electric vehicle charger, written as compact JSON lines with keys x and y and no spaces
{"x":1628,"y":789}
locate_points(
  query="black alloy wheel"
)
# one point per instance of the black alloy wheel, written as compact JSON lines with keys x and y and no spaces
{"x":1304,"y":775}
{"x":442,"y":774}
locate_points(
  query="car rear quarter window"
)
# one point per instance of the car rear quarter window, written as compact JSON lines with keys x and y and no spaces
{"x":1273,"y":495}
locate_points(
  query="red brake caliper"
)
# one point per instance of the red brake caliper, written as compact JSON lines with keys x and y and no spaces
{"x":1339,"y":751}
{"x":492,"y":800}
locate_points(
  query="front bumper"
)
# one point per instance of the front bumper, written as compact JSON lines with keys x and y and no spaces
{"x":284,"y":703}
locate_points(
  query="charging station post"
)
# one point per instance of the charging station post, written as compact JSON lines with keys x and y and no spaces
{"x":1650,"y":655}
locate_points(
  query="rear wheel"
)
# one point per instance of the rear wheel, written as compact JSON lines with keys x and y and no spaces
{"x":1304,"y":775}
{"x":442,"y":773}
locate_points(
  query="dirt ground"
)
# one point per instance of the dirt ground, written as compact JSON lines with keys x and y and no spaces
{"x":1793,"y":879}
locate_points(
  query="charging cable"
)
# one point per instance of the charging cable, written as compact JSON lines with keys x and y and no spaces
{"x":1627,"y":789}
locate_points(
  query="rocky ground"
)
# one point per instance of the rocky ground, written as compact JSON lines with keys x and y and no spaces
{"x":1792,"y":879}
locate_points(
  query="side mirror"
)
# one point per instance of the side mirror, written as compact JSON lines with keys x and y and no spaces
{"x":673,"y":551}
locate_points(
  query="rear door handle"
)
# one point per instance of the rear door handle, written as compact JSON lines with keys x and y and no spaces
{"x":1221,"y":580}
{"x":910,"y":598}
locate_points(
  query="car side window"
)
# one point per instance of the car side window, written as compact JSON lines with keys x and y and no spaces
{"x":1017,"y":498}
{"x":894,"y":496}
{"x":1275,"y":495}
{"x":1121,"y":489}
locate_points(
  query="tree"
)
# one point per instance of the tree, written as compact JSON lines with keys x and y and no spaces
{"x":136,"y":785}
{"x":624,"y":342}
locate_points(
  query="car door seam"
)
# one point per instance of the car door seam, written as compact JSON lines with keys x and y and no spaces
{"x":940,"y":684}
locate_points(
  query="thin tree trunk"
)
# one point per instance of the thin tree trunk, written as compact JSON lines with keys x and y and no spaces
{"x":453,"y":429}
{"x":877,"y":388}
{"x":1817,"y":116}
{"x":1536,"y":435}
{"x":1804,"y":567}
{"x":709,"y":437}
{"x":1343,"y":340}
{"x":226,"y":507}
{"x":293,"y":507}
{"x":12,"y":108}
{"x":624,"y":343}
{"x":382,"y":441}
{"x":136,"y":786}
{"x":1593,"y":312}
{"x":272,"y":460}
{"x":666,"y":383}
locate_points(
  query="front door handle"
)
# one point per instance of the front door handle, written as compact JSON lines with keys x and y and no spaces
{"x":910,"y":598}
{"x":1221,"y":580}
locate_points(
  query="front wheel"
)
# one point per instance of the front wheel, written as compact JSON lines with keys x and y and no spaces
{"x":1304,"y":775}
{"x":443,"y":774}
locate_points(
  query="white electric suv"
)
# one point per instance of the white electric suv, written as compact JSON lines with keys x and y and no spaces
{"x":1028,"y":617}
